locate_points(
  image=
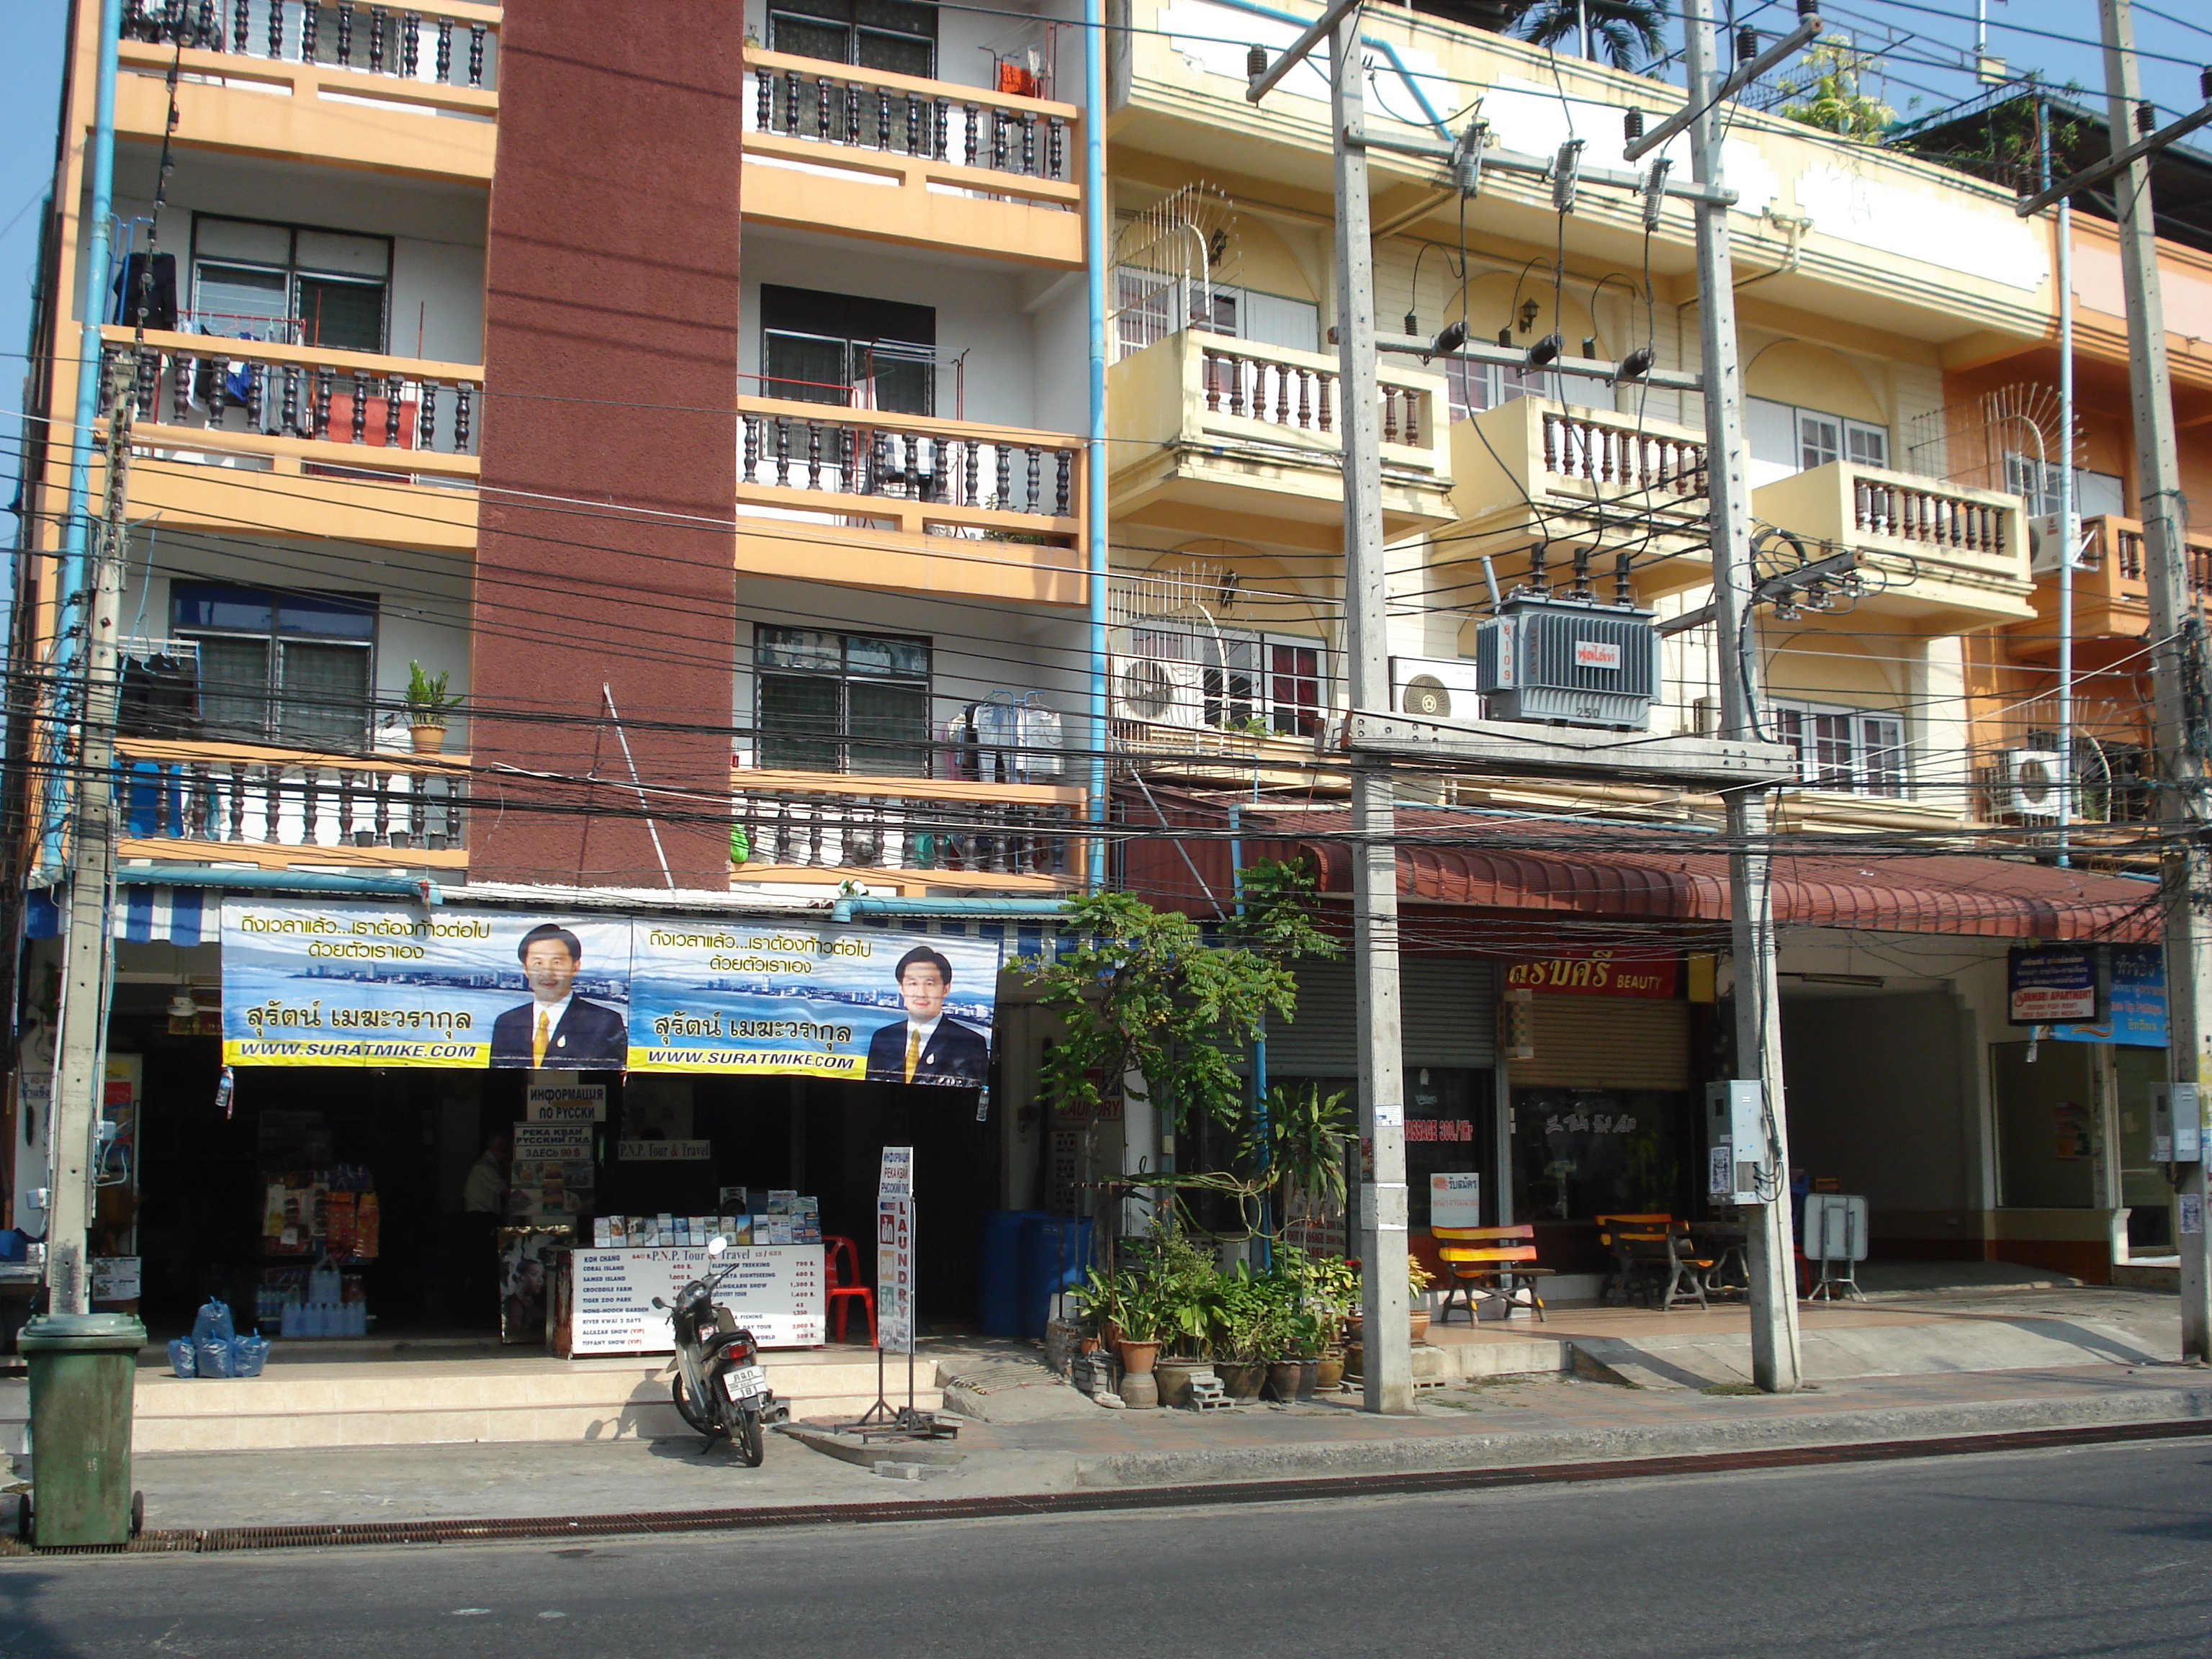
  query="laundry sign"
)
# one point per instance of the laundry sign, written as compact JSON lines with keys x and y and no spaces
{"x":2048,"y":984}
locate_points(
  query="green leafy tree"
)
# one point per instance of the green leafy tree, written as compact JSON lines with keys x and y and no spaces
{"x":1151,"y":1007}
{"x":1625,"y":34}
{"x":1830,"y":96}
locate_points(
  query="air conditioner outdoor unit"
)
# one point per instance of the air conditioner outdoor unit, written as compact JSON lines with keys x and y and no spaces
{"x":1435,"y":688}
{"x":1158,"y":691}
{"x":2028,"y":783}
{"x":1572,"y":662}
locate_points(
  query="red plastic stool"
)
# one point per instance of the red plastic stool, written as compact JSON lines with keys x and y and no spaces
{"x":845,"y":1284}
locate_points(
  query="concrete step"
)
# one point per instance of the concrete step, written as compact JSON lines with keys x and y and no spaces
{"x":310,"y":1401}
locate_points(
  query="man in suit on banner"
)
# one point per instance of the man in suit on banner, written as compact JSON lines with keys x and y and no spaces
{"x":556,"y":1030}
{"x":926,"y":1047}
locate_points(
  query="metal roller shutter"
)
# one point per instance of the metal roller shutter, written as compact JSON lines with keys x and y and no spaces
{"x":1609,"y":1042}
{"x":1446,"y":1017}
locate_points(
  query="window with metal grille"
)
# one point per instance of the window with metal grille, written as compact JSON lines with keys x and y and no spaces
{"x":1246,"y":680}
{"x":821,"y":348}
{"x":879,"y":35}
{"x":1845,"y":749}
{"x":288,"y":668}
{"x":843,"y":703}
{"x":291,"y":284}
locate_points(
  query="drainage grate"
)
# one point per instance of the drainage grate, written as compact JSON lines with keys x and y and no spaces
{"x":213,"y":1539}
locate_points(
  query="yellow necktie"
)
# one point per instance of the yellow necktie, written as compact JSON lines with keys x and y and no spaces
{"x":539,"y":1040}
{"x":913,"y":1051}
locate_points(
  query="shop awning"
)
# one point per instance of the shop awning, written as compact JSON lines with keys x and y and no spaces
{"x":142,"y":915}
{"x":1565,"y":866}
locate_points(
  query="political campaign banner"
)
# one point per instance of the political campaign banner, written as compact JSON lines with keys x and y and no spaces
{"x":345,"y":984}
{"x":846,"y":1002}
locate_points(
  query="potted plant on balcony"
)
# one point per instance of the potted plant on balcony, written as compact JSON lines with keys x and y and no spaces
{"x":429,"y":707}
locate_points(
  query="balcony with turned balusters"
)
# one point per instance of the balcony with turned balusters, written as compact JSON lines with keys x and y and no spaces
{"x":1943,"y":557}
{"x":2111,"y":595}
{"x":301,"y":440}
{"x":397,"y":89}
{"x":909,"y":836}
{"x":1533,"y":473}
{"x":909,"y":502}
{"x":1210,"y":433}
{"x":923,"y":163}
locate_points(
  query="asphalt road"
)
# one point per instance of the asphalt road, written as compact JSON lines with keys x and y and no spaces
{"x":2104,"y":1551}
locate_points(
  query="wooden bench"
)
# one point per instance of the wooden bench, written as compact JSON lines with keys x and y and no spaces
{"x":1626,"y":1236}
{"x":1671,"y":1264}
{"x":1492,"y":1261}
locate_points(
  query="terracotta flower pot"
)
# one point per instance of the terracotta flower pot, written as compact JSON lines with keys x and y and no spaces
{"x":429,"y":739}
{"x":1329,"y":1373}
{"x":1420,"y":1318}
{"x":1139,"y":1358}
{"x":1174,"y":1377}
{"x":1283,"y":1378}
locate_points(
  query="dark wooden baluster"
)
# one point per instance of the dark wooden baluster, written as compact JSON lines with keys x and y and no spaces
{"x":814,"y":454}
{"x":1004,"y":501}
{"x":1064,"y":493}
{"x":445,"y":50}
{"x":1389,"y":416}
{"x":311,"y":18}
{"x":237,"y":801}
{"x":764,"y":101}
{"x":345,"y":34}
{"x":849,"y":123}
{"x":1056,"y":147}
{"x":376,"y":22}
{"x":883,"y":117}
{"x":426,"y":420}
{"x":209,"y":32}
{"x":938,"y":150}
{"x":1328,"y":386}
{"x":821,"y":107}
{"x":750,"y":469}
{"x":974,"y":498}
{"x":1237,"y":367}
{"x":292,"y":400}
{"x":1412,"y":418}
{"x":463,"y":394}
{"x":411,"y":44}
{"x":1282,"y":394}
{"x":914,"y":124}
{"x":392,"y":386}
{"x":1305,"y":400}
{"x":241,"y":25}
{"x":360,"y":404}
{"x":256,"y":398}
{"x":1029,"y":145}
{"x":346,"y":831}
{"x":973,"y":115}
{"x":1210,"y":365}
{"x":276,"y":37}
{"x":1037,"y":480}
{"x":324,"y":379}
{"x":783,"y":451}
{"x":181,"y":370}
{"x":999,"y":143}
{"x":475,"y":54}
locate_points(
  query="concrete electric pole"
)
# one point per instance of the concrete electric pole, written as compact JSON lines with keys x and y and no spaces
{"x":79,"y":1058}
{"x":1774,"y":1355}
{"x":2181,"y":678}
{"x":1386,"y":1356}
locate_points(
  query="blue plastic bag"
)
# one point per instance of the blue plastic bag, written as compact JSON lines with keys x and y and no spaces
{"x":184,"y":1358}
{"x":214,"y":1355}
{"x":214,"y":1323}
{"x":248,"y":1354}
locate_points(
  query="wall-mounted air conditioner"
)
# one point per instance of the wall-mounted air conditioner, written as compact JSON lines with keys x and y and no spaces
{"x":1435,"y":688}
{"x":1572,"y":662}
{"x":2028,"y":784}
{"x":1158,"y":691}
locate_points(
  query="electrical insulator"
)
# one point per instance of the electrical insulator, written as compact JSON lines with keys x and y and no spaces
{"x":1546,"y":350}
{"x":1566,"y":174}
{"x":1654,"y":192}
{"x":1505,"y":335}
{"x":1808,"y":9}
{"x":1746,"y":46}
{"x":1636,"y":365}
{"x":1631,"y":123}
{"x":2204,"y":83}
{"x":2146,"y":118}
{"x":1256,"y":62}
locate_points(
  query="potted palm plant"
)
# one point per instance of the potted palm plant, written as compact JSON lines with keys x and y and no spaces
{"x":429,"y":707}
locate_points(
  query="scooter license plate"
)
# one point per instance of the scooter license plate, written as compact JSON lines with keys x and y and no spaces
{"x":744,"y":1382}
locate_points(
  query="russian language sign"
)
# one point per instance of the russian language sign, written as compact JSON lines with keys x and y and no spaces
{"x":345,"y":984}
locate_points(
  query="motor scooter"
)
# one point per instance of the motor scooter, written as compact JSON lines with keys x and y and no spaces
{"x":719,"y":1388}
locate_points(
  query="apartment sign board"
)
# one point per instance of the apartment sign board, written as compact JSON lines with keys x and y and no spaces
{"x":2046,"y":986}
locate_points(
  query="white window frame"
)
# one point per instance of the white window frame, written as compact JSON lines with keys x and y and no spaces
{"x":1853,"y":751}
{"x":1819,"y":439}
{"x":1244,"y":686}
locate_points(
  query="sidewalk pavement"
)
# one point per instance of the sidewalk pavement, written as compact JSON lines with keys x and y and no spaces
{"x":1506,"y":1422}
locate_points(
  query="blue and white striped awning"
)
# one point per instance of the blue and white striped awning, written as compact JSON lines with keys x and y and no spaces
{"x":143,"y":915}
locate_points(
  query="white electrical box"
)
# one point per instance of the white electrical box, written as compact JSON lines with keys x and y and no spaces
{"x":2177,"y":1123}
{"x":1735,"y":1133}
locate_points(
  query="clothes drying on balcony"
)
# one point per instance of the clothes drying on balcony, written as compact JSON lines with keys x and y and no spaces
{"x":1008,"y":737}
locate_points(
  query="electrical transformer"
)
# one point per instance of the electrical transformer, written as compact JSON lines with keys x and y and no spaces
{"x":1569,"y":661}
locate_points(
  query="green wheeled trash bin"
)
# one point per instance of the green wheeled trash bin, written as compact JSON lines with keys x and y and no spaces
{"x":81,"y":1370}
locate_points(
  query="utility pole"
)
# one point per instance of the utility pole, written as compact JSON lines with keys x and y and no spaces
{"x":1774,"y":1355}
{"x":1387,"y":1355}
{"x":2179,"y":656}
{"x":80,"y":1056}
